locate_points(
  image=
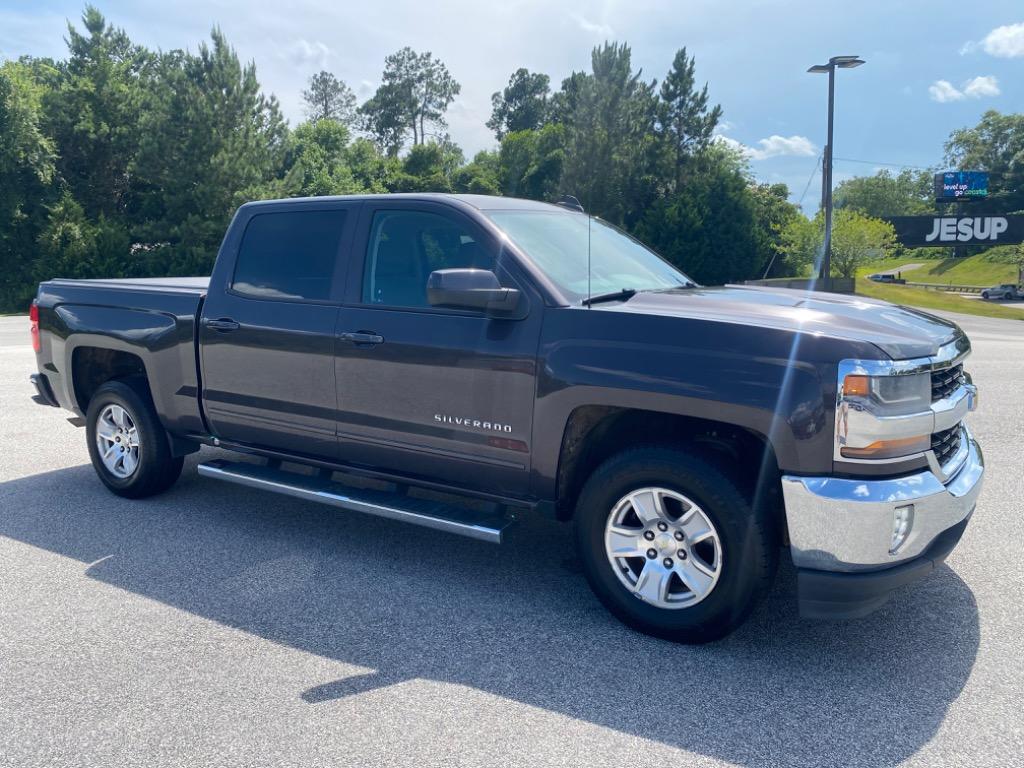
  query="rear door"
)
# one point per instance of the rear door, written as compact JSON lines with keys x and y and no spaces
{"x":267,"y":331}
{"x":435,"y":393}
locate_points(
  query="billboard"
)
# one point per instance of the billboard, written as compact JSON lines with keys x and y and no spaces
{"x":951,"y":186}
{"x":924,"y":231}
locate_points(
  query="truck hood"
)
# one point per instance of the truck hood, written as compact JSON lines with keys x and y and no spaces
{"x":900,"y":332}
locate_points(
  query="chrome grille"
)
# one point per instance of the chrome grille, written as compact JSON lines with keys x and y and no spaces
{"x":945,"y":382}
{"x":946,"y":444}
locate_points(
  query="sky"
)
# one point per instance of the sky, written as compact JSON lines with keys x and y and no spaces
{"x":932,"y":65}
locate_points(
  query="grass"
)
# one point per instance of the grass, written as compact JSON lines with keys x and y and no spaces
{"x":939,"y":300}
{"x":972,"y":270}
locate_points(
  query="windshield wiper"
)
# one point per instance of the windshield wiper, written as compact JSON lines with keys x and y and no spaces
{"x":623,"y":294}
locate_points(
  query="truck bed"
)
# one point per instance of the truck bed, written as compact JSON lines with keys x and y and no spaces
{"x":152,"y":319}
{"x":196,"y":285}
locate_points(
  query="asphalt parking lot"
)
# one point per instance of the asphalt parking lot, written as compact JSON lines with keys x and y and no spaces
{"x":216,"y":625}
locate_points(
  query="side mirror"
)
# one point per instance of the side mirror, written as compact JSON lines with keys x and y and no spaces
{"x":470,"y":289}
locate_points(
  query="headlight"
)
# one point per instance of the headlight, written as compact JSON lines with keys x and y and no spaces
{"x":890,"y":395}
{"x":884,"y":417}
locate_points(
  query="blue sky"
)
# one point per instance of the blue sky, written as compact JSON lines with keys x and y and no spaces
{"x":932,"y":65}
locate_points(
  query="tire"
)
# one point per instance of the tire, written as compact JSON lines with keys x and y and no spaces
{"x":984,"y":294}
{"x":747,"y":545}
{"x":147,"y":467}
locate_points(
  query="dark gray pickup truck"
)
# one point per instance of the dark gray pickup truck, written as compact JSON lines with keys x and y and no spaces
{"x":456,"y":361}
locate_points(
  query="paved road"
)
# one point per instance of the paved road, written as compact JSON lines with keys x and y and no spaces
{"x":901,"y":268}
{"x":220,"y":626}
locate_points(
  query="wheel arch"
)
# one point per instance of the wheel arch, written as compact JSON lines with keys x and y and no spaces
{"x":594,"y":433}
{"x":94,"y":366}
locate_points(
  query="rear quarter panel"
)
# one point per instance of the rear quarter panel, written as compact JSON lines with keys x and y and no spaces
{"x":157,"y":325}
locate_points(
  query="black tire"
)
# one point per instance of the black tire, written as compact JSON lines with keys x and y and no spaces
{"x":984,"y":294}
{"x":749,"y":544}
{"x":157,"y":469}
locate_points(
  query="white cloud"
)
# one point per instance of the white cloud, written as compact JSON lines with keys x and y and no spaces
{"x":1006,"y":42}
{"x":979,"y":87}
{"x":306,"y":54}
{"x":731,"y":143}
{"x":778,"y":146}
{"x":944,"y":91}
{"x":592,"y":27}
{"x":773,"y":146}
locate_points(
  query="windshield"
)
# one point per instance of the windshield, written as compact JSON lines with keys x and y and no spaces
{"x":557,"y":242}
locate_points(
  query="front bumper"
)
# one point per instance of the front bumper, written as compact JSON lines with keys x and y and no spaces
{"x":840,"y":531}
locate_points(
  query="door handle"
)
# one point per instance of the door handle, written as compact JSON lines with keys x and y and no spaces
{"x":223,"y":324}
{"x":362,"y":337}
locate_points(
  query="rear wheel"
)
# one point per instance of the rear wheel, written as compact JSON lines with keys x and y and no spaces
{"x":127,"y":444}
{"x":671,"y":546}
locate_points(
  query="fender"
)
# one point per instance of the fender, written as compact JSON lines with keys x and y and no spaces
{"x":772,"y":382}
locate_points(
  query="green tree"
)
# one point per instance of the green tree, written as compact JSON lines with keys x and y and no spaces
{"x":210,"y":140}
{"x":373,"y":171}
{"x":415,"y":92}
{"x":710,"y":229}
{"x":93,"y":114}
{"x":856,"y":238}
{"x":318,"y":159}
{"x":480,"y":177}
{"x":429,"y":167}
{"x":530,"y":162}
{"x":996,"y":145}
{"x":522,"y":105}
{"x":609,"y":138}
{"x":328,"y":98}
{"x":772,"y":214}
{"x":687,"y":122}
{"x":27,"y":180}
{"x":908,"y":193}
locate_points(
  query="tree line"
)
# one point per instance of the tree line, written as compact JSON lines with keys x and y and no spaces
{"x":122,"y":161}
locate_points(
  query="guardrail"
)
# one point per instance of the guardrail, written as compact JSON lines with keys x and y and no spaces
{"x":949,"y":287}
{"x":832,"y":285}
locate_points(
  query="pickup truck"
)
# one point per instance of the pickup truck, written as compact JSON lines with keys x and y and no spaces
{"x":460,"y":361}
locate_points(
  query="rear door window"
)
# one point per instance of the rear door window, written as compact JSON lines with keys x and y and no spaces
{"x":289,"y":255}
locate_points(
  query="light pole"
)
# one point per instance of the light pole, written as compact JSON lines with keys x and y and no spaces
{"x":843,"y":62}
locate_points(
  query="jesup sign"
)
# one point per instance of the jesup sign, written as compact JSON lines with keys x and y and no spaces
{"x":924,"y":231}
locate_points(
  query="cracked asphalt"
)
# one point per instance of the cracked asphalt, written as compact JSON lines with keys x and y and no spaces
{"x":217,"y":625}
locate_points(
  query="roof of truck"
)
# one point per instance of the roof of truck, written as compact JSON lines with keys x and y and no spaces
{"x":481,"y":202}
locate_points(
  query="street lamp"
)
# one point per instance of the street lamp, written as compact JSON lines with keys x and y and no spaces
{"x":843,"y":62}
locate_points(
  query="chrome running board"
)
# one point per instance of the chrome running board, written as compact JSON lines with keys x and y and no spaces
{"x":396,"y":506}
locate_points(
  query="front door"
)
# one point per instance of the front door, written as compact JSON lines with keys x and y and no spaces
{"x":439,"y":394}
{"x":267,"y":330}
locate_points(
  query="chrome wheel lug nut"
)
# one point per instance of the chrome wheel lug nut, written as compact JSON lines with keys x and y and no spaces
{"x":649,"y":535}
{"x":679,"y":535}
{"x":662,"y":527}
{"x":681,"y":554}
{"x":652,"y":553}
{"x":668,"y":562}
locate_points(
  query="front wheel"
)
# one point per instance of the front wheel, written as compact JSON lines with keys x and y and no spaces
{"x":671,"y":546}
{"x":127,"y":444}
{"x":984,"y":294}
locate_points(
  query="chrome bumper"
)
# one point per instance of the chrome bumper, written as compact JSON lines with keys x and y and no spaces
{"x":841,"y":524}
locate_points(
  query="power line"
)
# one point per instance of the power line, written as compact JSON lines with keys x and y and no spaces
{"x":875,"y":162}
{"x":809,"y":180}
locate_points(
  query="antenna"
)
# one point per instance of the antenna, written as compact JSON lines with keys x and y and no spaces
{"x":589,"y":304}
